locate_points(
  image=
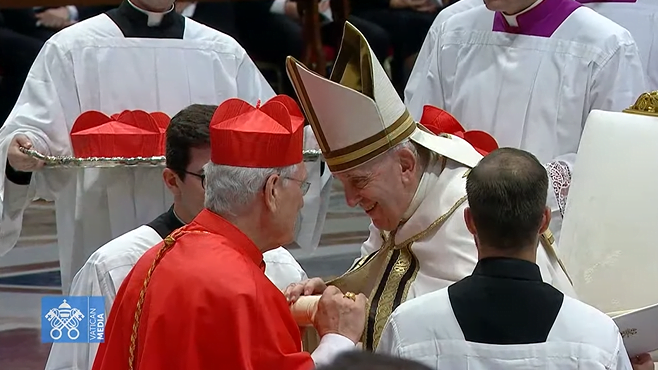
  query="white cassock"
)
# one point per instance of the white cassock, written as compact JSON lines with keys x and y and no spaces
{"x":640,"y":18}
{"x":418,"y":75}
{"x":111,"y":63}
{"x":503,"y":318}
{"x":107,"y":267}
{"x":530,"y":80}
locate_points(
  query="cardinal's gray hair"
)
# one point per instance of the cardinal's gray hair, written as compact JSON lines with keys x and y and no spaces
{"x":231,"y":190}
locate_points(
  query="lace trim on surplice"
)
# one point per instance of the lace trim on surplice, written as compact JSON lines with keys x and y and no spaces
{"x":560,"y":177}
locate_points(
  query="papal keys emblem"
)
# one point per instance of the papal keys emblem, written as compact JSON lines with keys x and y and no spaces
{"x":64,"y":317}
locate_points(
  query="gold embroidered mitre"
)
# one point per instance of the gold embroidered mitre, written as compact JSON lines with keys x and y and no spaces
{"x":607,"y":240}
{"x":357,"y":114}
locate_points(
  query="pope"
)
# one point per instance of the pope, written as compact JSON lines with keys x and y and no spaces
{"x":410,"y":181}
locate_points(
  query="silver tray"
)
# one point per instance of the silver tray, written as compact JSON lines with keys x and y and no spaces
{"x":109,"y":162}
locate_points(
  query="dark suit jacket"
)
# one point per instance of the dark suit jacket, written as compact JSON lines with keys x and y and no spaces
{"x":86,"y":12}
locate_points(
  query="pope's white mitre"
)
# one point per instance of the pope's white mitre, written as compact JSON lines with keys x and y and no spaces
{"x":357,"y":114}
{"x":608,"y":242}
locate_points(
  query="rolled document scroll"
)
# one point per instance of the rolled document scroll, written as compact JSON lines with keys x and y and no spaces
{"x":304,"y":310}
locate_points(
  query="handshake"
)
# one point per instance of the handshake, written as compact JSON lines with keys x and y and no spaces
{"x":334,"y":312}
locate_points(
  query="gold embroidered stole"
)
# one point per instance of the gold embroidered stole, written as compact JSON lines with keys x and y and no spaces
{"x":547,"y":239}
{"x":385,"y":276}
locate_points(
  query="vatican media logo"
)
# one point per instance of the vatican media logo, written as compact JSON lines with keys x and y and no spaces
{"x":72,"y":319}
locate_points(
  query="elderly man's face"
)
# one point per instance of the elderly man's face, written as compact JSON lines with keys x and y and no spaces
{"x":290,"y":200}
{"x":384,"y":190}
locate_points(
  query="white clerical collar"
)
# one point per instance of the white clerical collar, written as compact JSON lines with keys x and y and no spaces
{"x":511,"y":19}
{"x":154,"y":18}
{"x":178,"y":218}
{"x":426,"y":179}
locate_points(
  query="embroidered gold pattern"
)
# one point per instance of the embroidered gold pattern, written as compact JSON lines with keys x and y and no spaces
{"x":628,"y":333}
{"x":547,"y":239}
{"x":385,"y":295}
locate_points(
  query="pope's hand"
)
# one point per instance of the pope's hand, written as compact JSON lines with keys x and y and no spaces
{"x":18,"y":160}
{"x":339,"y":314}
{"x":306,"y":287}
{"x":642,"y":362}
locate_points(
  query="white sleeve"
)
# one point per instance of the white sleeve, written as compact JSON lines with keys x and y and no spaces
{"x":47,"y":103}
{"x":278,"y":7}
{"x":622,"y":362}
{"x":419,"y":71}
{"x":559,"y":180}
{"x":251,"y":84}
{"x":424,"y":86}
{"x":389,"y":341}
{"x":619,"y":81}
{"x":74,"y":356}
{"x":330,"y":346}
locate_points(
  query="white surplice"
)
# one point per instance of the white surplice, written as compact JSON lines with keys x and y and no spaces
{"x":640,"y":18}
{"x":418,"y":75}
{"x":426,"y":330}
{"x":108,"y":266}
{"x":92,"y":66}
{"x":535,"y":91}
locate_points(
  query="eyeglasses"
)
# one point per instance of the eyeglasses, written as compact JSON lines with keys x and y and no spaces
{"x":200,"y":176}
{"x":304,"y":185}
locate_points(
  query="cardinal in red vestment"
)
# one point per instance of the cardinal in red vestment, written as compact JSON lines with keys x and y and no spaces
{"x":200,"y":299}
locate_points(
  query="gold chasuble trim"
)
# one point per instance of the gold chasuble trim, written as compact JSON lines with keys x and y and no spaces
{"x":547,"y":239}
{"x":396,"y":268}
{"x":169,"y":242}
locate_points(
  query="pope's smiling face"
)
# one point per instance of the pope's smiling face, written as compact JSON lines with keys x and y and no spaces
{"x":383,"y":187}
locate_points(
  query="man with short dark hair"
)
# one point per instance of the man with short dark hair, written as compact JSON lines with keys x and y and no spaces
{"x":503,"y":316}
{"x":187,"y":151}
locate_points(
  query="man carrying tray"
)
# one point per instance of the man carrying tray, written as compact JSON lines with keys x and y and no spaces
{"x":608,"y":241}
{"x":410,"y":182}
{"x":141,"y":55}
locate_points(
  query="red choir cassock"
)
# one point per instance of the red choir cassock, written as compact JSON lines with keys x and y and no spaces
{"x":200,"y":299}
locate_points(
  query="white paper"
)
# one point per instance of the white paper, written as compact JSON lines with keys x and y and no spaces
{"x":639,"y":329}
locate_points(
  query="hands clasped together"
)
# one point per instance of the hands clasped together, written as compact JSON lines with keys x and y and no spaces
{"x":338,"y":312}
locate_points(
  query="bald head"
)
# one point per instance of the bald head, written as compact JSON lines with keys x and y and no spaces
{"x":507,"y":199}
